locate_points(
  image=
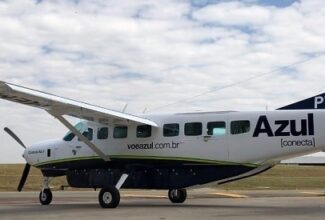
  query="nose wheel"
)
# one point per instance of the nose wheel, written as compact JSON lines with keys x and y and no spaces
{"x":45,"y":197}
{"x":177,"y":195}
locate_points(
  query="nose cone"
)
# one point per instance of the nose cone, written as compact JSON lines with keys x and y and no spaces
{"x":24,"y":154}
{"x":37,"y":153}
{"x":26,"y":157}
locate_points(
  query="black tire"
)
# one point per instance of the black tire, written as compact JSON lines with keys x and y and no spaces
{"x":177,"y":195}
{"x":109,"y":197}
{"x":45,"y":197}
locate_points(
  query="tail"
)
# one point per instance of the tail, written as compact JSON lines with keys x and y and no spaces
{"x":315,"y":102}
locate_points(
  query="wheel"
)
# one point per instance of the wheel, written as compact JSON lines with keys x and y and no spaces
{"x":177,"y":195}
{"x":109,"y":197}
{"x":45,"y":197}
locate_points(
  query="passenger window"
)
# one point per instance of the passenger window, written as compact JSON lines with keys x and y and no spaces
{"x":143,"y":131}
{"x":171,"y":130}
{"x":193,"y":128}
{"x":48,"y":152}
{"x":120,"y":132}
{"x":239,"y":127}
{"x":216,"y":128}
{"x":88,"y":134}
{"x":102,"y":133}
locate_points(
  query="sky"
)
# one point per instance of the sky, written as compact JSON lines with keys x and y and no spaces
{"x":149,"y":54}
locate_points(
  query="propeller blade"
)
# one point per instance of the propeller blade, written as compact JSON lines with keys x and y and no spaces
{"x":23,"y":177}
{"x":14,"y":136}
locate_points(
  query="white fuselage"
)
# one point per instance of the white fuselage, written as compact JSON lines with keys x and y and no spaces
{"x":270,"y":137}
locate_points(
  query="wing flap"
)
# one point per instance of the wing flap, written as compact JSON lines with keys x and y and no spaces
{"x":65,"y":106}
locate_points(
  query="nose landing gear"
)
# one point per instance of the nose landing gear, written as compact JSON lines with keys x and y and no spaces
{"x":45,"y":196}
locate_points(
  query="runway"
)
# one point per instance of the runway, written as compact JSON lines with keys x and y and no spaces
{"x":201,"y":204}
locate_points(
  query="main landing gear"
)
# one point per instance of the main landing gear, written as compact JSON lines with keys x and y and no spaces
{"x":177,"y":195}
{"x":109,"y":197}
{"x":45,"y":196}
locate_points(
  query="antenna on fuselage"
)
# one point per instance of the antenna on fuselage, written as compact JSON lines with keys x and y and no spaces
{"x":124,"y":108}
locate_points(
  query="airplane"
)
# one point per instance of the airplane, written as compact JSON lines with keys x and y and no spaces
{"x":110,"y":150}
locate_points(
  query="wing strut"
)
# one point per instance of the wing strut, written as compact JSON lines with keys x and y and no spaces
{"x":81,"y":137}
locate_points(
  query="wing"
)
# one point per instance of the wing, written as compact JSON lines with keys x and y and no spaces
{"x":63,"y":106}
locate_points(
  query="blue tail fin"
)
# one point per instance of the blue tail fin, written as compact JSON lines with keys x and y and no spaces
{"x":315,"y":102}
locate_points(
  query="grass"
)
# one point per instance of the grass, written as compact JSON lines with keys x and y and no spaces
{"x":284,"y":177}
{"x":279,"y":177}
{"x":10,"y":175}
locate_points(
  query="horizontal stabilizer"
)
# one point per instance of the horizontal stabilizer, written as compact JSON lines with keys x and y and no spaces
{"x":315,"y":102}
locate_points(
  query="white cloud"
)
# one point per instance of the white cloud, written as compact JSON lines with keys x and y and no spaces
{"x":151,"y":53}
{"x":234,"y":13}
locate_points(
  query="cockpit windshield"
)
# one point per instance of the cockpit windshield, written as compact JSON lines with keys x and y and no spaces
{"x":81,"y":127}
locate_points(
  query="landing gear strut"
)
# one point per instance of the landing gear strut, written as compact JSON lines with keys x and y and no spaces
{"x":45,"y":196}
{"x":177,"y":195}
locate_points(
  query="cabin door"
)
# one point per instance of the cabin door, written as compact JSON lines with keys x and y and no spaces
{"x":216,"y":140}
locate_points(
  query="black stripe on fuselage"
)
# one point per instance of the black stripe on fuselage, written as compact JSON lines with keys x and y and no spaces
{"x":97,"y":163}
{"x":144,"y":174}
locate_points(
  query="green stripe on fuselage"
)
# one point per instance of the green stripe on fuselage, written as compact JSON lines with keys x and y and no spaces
{"x":135,"y":157}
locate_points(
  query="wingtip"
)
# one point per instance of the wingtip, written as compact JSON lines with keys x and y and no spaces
{"x":4,"y":86}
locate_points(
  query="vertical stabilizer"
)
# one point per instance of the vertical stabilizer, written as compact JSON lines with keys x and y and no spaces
{"x":315,"y":102}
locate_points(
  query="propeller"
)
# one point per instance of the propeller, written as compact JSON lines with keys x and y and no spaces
{"x":27,"y":166}
{"x":14,"y":136}
{"x":23,"y":177}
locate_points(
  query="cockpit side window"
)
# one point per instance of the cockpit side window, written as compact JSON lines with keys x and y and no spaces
{"x":81,"y":127}
{"x":69,"y":136}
